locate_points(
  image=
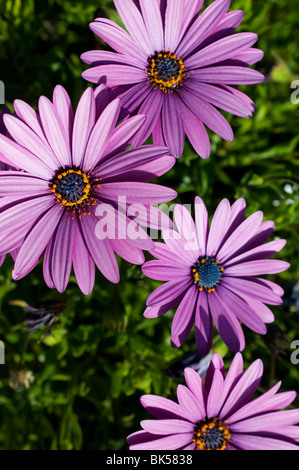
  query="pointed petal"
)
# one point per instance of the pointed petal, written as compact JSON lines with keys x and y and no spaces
{"x":36,"y":242}
{"x":167,"y":426}
{"x":134,"y":24}
{"x":116,"y":37}
{"x":53,"y":130}
{"x":151,"y":108}
{"x":63,"y":106}
{"x":221,"y":50}
{"x":215,"y":399}
{"x":228,"y":75}
{"x":173,"y":21}
{"x":219,"y":226}
{"x":100,"y":250}
{"x":203,"y":325}
{"x":19,"y":157}
{"x":251,"y":442}
{"x":100,"y":135}
{"x":202,"y":27}
{"x":28,"y":139}
{"x":83,"y":263}
{"x":227,"y":324}
{"x":172,"y":125}
{"x":153,"y":22}
{"x":184,"y":317}
{"x":62,"y":253}
{"x":243,"y":390}
{"x":162,"y":408}
{"x":212,"y":118}
{"x":83,"y":125}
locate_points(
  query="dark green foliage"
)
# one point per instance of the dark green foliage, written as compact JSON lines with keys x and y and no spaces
{"x":80,"y":388}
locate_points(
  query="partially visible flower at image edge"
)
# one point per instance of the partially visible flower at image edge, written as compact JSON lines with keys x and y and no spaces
{"x":211,"y":274}
{"x":3,"y":167}
{"x":71,"y":165}
{"x":176,"y":67}
{"x":218,"y":414}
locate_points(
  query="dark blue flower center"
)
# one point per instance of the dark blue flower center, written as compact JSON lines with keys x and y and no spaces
{"x":211,"y":434}
{"x":73,"y":189}
{"x":165,"y":71}
{"x":207,"y":273}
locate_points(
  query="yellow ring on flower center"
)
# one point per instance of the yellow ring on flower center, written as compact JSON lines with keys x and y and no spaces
{"x":211,"y":434}
{"x":165,"y":71}
{"x":71,"y":187}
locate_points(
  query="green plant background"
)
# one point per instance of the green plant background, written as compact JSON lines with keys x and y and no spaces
{"x":80,"y":388}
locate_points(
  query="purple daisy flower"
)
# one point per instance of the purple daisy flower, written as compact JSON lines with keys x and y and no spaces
{"x":175,"y":66}
{"x":72,"y":164}
{"x":210,"y":272}
{"x":4,"y":166}
{"x":218,"y":414}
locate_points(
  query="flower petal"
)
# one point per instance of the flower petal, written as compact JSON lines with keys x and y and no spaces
{"x":116,"y":37}
{"x":202,"y":27}
{"x":203,"y":325}
{"x":62,"y":253}
{"x":251,"y":442}
{"x":20,"y":184}
{"x":28,"y":139}
{"x":184,"y":317}
{"x":83,"y":263}
{"x":221,"y":50}
{"x":53,"y":130}
{"x":196,"y":132}
{"x":228,"y":75}
{"x":151,"y":108}
{"x":240,"y":236}
{"x":100,"y":250}
{"x":207,"y":114}
{"x":130,"y":160}
{"x":173,"y":21}
{"x":122,"y":135}
{"x":243,"y":390}
{"x":134,"y":24}
{"x":172,"y":125}
{"x":227,"y":324}
{"x":162,"y":408}
{"x":238,"y":307}
{"x":257,"y":268}
{"x":100,"y":135}
{"x":36,"y":242}
{"x":63,"y":106}
{"x":153,"y":22}
{"x":143,"y":193}
{"x":177,"y":441}
{"x":19,"y":157}
{"x":166,"y":292}
{"x":167,"y":426}
{"x":219,"y":226}
{"x":215,"y":398}
{"x":114,"y":75}
{"x":83,"y":125}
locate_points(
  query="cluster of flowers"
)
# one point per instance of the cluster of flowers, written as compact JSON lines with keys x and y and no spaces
{"x":62,"y":169}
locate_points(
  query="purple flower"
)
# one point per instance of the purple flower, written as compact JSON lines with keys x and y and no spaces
{"x":72,"y":165}
{"x":209,"y":273}
{"x":4,"y":166}
{"x":175,"y":66}
{"x":217,"y":414}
